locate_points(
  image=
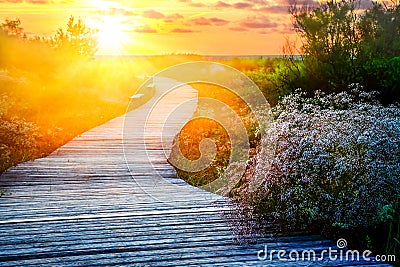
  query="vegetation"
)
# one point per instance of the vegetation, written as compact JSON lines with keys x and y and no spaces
{"x":50,"y":96}
{"x":188,"y":140}
{"x":344,"y":44}
{"x":329,"y":163}
{"x":77,"y":39}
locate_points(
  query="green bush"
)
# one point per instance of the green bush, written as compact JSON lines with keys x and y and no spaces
{"x":384,"y":75}
{"x":273,"y":81}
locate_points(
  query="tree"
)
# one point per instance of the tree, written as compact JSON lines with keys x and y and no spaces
{"x":12,"y":27}
{"x":379,"y":55}
{"x":77,"y":38}
{"x":347,"y":42}
{"x":379,"y":29}
{"x":330,"y":42}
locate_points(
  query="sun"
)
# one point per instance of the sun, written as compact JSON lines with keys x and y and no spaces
{"x":111,"y":35}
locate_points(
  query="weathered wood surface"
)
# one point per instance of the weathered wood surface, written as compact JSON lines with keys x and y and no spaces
{"x":109,"y":197}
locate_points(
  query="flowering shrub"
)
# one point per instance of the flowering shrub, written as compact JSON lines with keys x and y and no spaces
{"x":18,"y":137}
{"x":327,"y":161}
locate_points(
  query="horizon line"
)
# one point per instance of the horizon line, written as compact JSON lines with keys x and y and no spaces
{"x":200,"y":55}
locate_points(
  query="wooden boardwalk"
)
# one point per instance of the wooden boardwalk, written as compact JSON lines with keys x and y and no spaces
{"x":109,"y":197}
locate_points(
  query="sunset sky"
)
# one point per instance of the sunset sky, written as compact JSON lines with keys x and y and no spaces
{"x":210,"y":27}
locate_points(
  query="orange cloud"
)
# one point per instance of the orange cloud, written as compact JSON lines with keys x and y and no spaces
{"x":115,"y":12}
{"x":219,"y":22}
{"x":258,"y":23}
{"x":152,"y":14}
{"x":222,"y":4}
{"x":284,"y":9}
{"x":202,"y":21}
{"x":145,"y":29}
{"x":173,"y":17}
{"x":242,"y":5}
{"x":193,"y":4}
{"x":181,"y":30}
{"x":238,"y":29}
{"x":259,"y":2}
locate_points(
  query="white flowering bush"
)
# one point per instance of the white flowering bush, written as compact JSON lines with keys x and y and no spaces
{"x":331,"y":160}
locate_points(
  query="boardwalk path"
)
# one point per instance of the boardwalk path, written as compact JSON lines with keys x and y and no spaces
{"x":100,"y":200}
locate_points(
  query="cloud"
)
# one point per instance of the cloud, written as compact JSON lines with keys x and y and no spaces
{"x":152,"y":14}
{"x":258,"y":23}
{"x":181,"y":30}
{"x":245,"y":4}
{"x":242,"y":5}
{"x":284,"y":9}
{"x":258,"y":2}
{"x":219,"y":22}
{"x":173,"y":17}
{"x":197,"y":4}
{"x":113,"y":11}
{"x":238,"y":29}
{"x":202,"y":21}
{"x":145,"y":29}
{"x":193,"y":4}
{"x":221,"y":4}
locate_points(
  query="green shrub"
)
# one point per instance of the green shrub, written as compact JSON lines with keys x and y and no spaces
{"x":384,"y":75}
{"x":273,"y":82}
